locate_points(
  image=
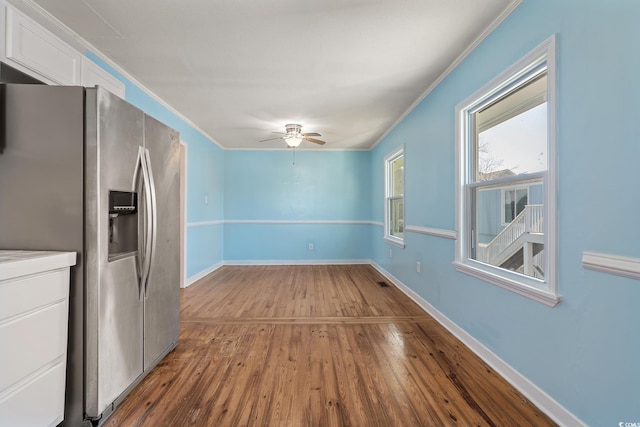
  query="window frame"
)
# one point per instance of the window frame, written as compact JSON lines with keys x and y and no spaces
{"x":388,"y":197}
{"x":544,"y":291}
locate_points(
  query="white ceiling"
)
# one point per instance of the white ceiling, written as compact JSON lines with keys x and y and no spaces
{"x":240,"y":69}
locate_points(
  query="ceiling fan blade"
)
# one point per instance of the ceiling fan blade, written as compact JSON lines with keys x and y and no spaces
{"x":315,"y":141}
{"x":279,"y":133}
{"x":270,"y":139}
{"x":311,"y":134}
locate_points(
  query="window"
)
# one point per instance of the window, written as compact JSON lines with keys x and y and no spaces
{"x":506,"y":180}
{"x":514,"y":201}
{"x":394,"y":198}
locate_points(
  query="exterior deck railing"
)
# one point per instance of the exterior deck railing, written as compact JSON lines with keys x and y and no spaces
{"x":530,"y":220}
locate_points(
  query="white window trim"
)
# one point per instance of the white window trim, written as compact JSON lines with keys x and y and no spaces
{"x":394,"y":240}
{"x":541,"y":291}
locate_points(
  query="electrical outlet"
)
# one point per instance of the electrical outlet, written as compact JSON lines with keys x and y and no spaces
{"x":418,"y":267}
{"x":390,"y":253}
{"x":310,"y":246}
{"x":206,"y":199}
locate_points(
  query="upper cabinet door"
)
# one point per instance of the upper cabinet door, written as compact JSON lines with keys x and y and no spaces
{"x":36,"y":49}
{"x":93,"y":75}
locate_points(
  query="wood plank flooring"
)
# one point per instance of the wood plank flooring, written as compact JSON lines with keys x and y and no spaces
{"x":317,"y":346}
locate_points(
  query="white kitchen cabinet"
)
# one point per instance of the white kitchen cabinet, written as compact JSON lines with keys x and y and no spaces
{"x":29,"y":45}
{"x":34,"y":309}
{"x":31,"y":48}
{"x":93,"y":74}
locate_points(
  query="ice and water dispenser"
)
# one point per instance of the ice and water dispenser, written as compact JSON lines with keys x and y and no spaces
{"x":123,"y":224}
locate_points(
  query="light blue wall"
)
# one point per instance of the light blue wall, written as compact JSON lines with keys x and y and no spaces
{"x":289,"y":242}
{"x":205,"y":204}
{"x":204,"y":163}
{"x":329,"y":188}
{"x":583,"y":352}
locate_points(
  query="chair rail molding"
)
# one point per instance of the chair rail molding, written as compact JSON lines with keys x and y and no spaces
{"x":429,"y":231}
{"x":287,"y":221}
{"x":612,"y":264}
{"x":204,"y":223}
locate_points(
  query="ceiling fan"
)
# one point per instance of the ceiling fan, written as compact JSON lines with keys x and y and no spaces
{"x":293,"y":136}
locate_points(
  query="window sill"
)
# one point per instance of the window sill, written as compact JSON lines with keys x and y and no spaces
{"x":394,"y":241}
{"x":532,"y":292}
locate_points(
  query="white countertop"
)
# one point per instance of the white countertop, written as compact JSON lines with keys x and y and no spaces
{"x":19,"y":263}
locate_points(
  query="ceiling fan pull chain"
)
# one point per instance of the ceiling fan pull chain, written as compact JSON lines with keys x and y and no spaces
{"x":294,"y":156}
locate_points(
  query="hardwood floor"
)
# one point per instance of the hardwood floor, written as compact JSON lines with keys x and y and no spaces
{"x":317,"y":346}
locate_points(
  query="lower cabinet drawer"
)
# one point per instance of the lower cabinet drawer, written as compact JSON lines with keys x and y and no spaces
{"x":38,"y":403}
{"x":31,"y":342}
{"x":23,"y":294}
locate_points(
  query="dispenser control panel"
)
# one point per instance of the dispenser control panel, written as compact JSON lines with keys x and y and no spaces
{"x":123,"y":224}
{"x":123,"y":202}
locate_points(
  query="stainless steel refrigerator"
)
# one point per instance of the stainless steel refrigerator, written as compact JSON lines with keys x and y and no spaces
{"x":82,"y":170}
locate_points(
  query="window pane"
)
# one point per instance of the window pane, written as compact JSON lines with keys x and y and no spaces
{"x":397,"y":177}
{"x":511,"y":134}
{"x":521,"y":200}
{"x":515,"y":201}
{"x":517,"y":245}
{"x":396,"y":217}
{"x":394,"y":189}
{"x":508,"y":206}
{"x":511,"y":140}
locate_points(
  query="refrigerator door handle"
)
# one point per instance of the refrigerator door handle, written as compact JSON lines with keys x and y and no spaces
{"x":137,"y":188}
{"x":144,"y":250}
{"x":154,"y":218}
{"x":138,"y":184}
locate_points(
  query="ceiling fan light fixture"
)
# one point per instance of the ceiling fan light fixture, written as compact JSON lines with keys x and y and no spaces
{"x":293,"y":136}
{"x":293,"y":140}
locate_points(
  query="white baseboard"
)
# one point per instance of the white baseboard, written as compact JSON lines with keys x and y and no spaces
{"x":537,"y":396}
{"x":192,"y":279}
{"x":298,"y":262}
